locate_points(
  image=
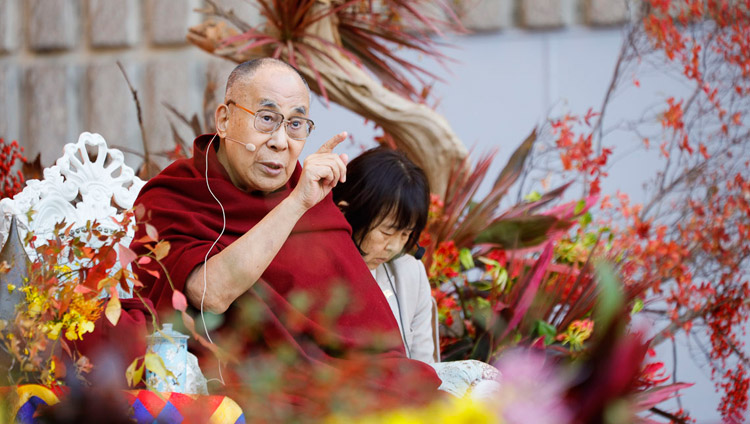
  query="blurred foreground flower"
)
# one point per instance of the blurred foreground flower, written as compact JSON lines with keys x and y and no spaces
{"x":533,"y":390}
{"x":447,"y":410}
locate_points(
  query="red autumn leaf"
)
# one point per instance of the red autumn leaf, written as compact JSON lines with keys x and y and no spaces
{"x":179,"y":302}
{"x":126,"y":255}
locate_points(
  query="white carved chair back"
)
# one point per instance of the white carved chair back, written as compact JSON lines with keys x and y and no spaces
{"x":90,"y":182}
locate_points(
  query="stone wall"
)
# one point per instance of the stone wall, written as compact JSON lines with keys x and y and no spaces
{"x":58,"y":72}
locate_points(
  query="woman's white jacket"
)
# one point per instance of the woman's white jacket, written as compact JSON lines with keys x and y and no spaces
{"x":404,"y":283}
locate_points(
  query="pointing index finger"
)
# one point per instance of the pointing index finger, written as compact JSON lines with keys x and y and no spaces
{"x":334,"y":141}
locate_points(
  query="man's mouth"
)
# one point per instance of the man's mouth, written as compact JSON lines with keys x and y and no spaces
{"x":272,"y":167}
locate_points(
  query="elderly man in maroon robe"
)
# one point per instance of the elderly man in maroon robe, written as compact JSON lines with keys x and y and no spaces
{"x":245,"y":219}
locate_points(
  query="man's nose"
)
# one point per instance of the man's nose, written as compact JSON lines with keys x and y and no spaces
{"x":279,"y":139}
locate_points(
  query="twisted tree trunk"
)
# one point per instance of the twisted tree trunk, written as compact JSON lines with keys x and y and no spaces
{"x":420,"y":132}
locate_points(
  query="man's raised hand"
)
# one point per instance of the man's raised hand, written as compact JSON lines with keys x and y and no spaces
{"x":321,"y":172}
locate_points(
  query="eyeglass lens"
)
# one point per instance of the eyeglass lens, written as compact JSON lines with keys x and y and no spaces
{"x":268,"y":121}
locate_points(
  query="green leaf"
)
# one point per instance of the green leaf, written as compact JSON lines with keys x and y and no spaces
{"x":610,"y":295}
{"x":464,"y":256}
{"x":542,"y":328}
{"x":502,"y":278}
{"x":533,"y":196}
{"x":589,"y":239}
{"x":482,"y":285}
{"x":514,"y":233}
{"x":585,"y":219}
{"x":637,"y":306}
{"x":483,"y":312}
{"x":483,"y":303}
{"x":579,"y":207}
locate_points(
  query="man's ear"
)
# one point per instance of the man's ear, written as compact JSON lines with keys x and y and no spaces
{"x":221,"y":116}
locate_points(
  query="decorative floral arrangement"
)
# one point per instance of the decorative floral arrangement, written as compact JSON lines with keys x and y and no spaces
{"x":63,"y":298}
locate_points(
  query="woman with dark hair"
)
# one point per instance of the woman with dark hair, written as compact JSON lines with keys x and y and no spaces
{"x":385,"y":199}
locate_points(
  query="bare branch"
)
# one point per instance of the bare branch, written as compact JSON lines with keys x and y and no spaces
{"x":146,"y":158}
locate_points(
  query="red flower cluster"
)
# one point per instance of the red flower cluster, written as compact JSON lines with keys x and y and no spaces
{"x":497,"y":255}
{"x":10,"y":182}
{"x":445,"y":263}
{"x":446,"y":304}
{"x":576,"y":151}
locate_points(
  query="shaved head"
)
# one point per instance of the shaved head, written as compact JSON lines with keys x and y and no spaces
{"x":245,"y":70}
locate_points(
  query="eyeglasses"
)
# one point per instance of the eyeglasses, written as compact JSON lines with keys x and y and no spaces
{"x":268,"y":121}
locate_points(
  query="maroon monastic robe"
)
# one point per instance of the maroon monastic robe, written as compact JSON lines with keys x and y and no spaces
{"x":318,"y":258}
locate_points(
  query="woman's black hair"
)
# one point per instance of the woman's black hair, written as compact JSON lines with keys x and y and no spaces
{"x":379,"y":182}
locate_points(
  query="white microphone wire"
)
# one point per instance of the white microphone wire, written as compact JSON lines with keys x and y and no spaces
{"x":205,"y":259}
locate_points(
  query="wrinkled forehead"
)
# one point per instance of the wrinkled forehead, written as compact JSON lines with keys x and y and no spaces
{"x":266,"y":103}
{"x":271,"y":86}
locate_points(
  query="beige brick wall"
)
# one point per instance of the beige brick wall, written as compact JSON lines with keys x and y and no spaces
{"x":58,"y":73}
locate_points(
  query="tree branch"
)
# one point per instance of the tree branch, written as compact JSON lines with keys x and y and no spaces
{"x":138,"y":111}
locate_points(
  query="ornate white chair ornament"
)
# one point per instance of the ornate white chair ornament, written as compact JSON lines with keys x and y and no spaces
{"x":90,"y":182}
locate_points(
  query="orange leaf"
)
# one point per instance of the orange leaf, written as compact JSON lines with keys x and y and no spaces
{"x":114,"y":309}
{"x":106,"y":282}
{"x":60,"y":369}
{"x":80,"y":288}
{"x":152,"y":272}
{"x":161,"y":250}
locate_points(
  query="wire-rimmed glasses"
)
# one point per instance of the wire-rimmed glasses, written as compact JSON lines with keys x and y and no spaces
{"x":268,"y":121}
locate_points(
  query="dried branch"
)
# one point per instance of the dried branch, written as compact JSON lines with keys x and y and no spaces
{"x":138,"y":112}
{"x":665,"y":414}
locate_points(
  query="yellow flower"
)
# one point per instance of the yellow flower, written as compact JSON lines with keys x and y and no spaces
{"x":577,"y":333}
{"x":70,"y":333}
{"x":86,"y":327}
{"x":454,"y":411}
{"x":11,"y":287}
{"x":53,"y":330}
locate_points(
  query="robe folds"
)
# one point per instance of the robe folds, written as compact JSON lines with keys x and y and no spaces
{"x":317,"y":295}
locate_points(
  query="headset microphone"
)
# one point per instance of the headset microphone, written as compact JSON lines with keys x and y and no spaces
{"x":250,"y":147}
{"x":420,"y":252}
